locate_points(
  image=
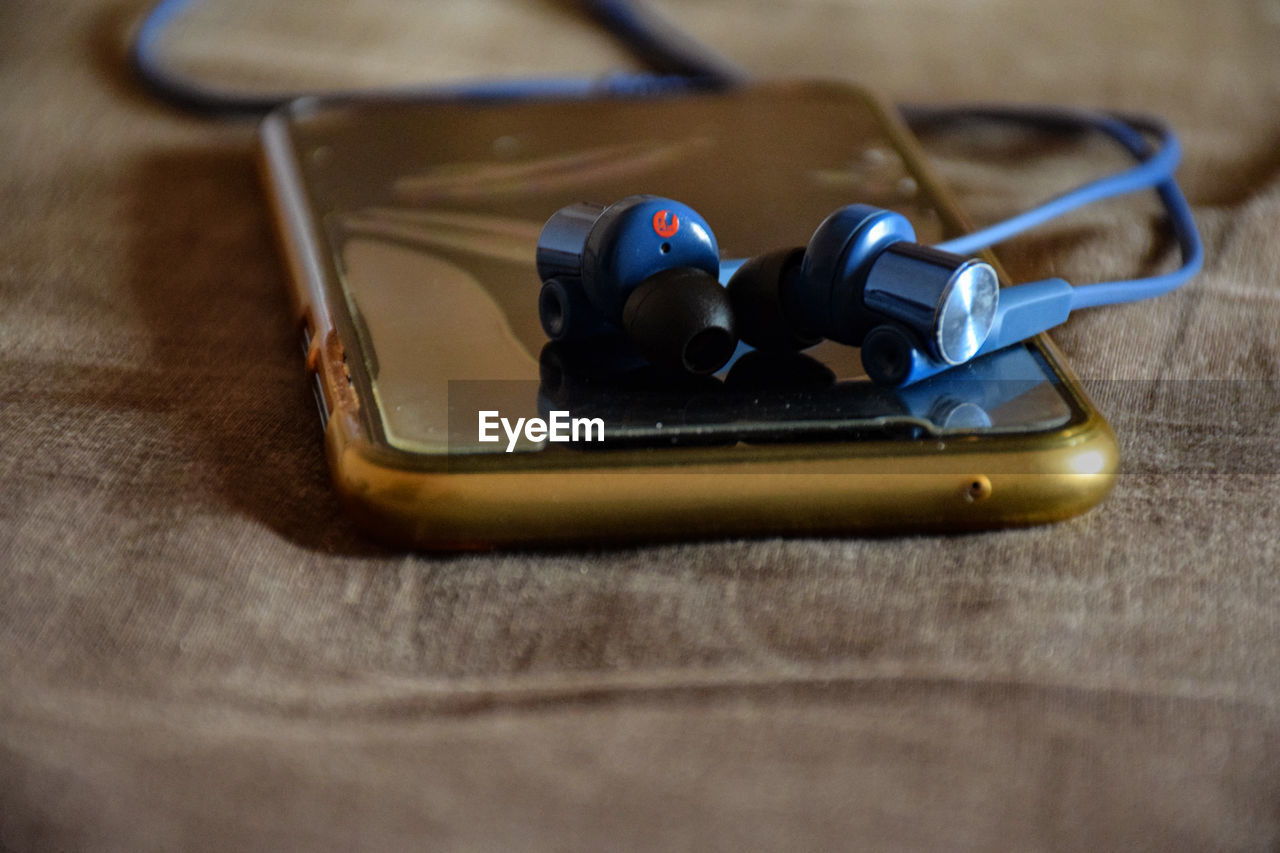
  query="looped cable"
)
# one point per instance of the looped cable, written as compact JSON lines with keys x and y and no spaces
{"x":691,"y":65}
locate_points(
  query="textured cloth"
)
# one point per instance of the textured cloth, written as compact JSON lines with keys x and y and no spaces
{"x":198,"y":651}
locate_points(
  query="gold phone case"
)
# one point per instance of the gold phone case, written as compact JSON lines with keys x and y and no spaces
{"x":408,"y":229}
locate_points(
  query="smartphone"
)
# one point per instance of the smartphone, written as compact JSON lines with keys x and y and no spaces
{"x":409,"y":230}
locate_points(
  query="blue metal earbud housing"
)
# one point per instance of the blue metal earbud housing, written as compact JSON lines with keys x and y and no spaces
{"x":827,"y":297}
{"x":645,"y":266}
{"x":863,"y":267}
{"x":863,"y":281}
{"x":638,"y":237}
{"x":611,"y":249}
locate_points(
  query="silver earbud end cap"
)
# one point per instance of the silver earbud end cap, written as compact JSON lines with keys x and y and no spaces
{"x":966,"y":311}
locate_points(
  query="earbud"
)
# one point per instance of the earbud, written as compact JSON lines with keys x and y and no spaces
{"x":864,"y":281}
{"x":645,"y":266}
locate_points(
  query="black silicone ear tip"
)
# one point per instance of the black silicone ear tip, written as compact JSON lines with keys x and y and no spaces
{"x":681,"y":318}
{"x":756,"y":294}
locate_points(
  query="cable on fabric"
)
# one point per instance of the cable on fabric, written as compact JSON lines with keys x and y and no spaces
{"x":679,"y":67}
{"x":1155,"y":170}
{"x":661,"y":45}
{"x":691,"y":65}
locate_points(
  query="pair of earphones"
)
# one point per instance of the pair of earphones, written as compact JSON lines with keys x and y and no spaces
{"x":649,"y":268}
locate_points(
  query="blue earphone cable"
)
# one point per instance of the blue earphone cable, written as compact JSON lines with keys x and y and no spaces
{"x":192,"y":95}
{"x":641,"y":29}
{"x":1154,"y":167}
{"x":1155,"y":170}
{"x":661,"y":46}
{"x":1189,"y":243}
{"x":689,"y":64}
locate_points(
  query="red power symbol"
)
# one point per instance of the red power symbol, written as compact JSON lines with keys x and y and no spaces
{"x":665,"y":223}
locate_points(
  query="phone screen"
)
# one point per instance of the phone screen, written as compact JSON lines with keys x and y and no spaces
{"x":430,"y":214}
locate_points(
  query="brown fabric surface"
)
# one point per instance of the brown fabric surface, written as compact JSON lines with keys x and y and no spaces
{"x":197,"y":651}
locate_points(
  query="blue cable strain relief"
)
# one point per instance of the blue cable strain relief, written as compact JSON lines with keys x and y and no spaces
{"x":1026,"y":310}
